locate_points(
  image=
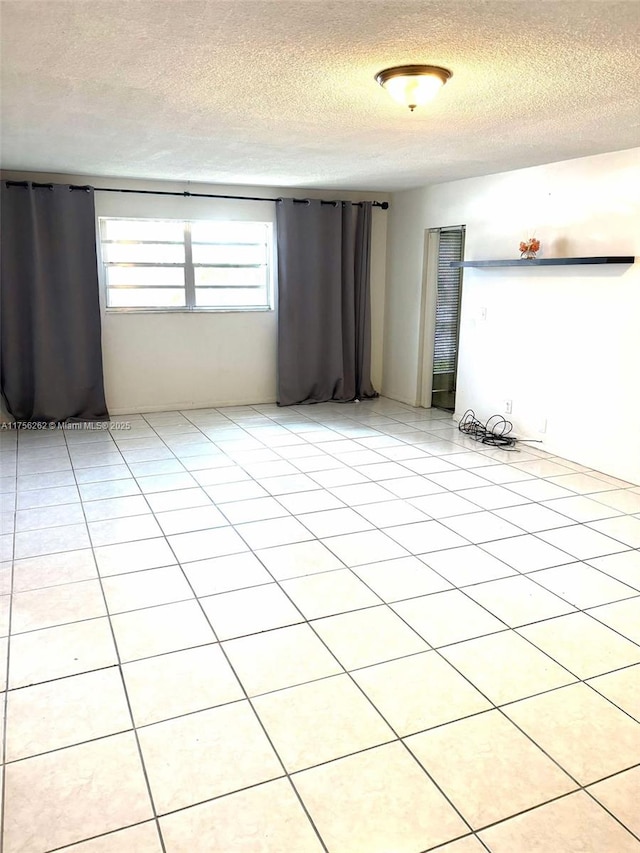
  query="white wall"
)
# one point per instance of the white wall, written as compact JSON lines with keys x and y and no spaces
{"x":563,"y":343}
{"x":164,"y":361}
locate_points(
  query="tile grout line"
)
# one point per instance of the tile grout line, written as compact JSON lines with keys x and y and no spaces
{"x":284,"y":688}
{"x":260,"y":720}
{"x":315,"y":539}
{"x":423,"y":557}
{"x":500,"y":709}
{"x":494,"y":707}
{"x":423,"y":560}
{"x":525,"y":532}
{"x":125,"y":691}
{"x":371,"y":703}
{"x":251,"y":705}
{"x":345,"y":672}
{"x":100,"y":835}
{"x":3,"y":792}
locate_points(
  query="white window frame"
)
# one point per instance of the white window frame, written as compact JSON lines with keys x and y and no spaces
{"x":190,"y":287}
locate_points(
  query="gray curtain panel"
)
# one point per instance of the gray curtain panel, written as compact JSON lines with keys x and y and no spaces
{"x":324,"y":313}
{"x":50,"y":350}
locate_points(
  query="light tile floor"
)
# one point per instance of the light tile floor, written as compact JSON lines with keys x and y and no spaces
{"x":342,"y":628}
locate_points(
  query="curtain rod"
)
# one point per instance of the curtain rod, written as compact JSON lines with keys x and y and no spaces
{"x":384,"y":205}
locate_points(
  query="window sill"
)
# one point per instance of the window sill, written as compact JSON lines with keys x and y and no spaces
{"x":249,"y":310}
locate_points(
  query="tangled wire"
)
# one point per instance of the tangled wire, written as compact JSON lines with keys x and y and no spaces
{"x":495,"y":432}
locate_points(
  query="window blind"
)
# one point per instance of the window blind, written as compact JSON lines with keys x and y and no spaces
{"x":445,"y":351}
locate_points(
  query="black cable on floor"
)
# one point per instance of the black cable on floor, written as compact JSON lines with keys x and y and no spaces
{"x":494,"y":432}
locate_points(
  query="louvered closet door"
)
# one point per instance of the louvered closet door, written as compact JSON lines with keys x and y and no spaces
{"x":447,"y":325}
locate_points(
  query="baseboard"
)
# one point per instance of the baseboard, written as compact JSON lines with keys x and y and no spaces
{"x":188,"y":406}
{"x":400,"y":399}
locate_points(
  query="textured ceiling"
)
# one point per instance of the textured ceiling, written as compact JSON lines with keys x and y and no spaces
{"x":281,"y":93}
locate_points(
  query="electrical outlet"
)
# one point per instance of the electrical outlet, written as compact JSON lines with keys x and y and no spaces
{"x":482,"y":313}
{"x":507,"y":407}
{"x":542,"y":425}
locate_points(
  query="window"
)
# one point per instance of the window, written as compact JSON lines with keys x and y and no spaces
{"x":169,"y":264}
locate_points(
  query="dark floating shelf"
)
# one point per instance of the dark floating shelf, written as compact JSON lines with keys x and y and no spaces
{"x":547,"y":262}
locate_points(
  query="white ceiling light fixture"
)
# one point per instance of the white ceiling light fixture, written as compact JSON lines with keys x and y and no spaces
{"x":413,"y":85}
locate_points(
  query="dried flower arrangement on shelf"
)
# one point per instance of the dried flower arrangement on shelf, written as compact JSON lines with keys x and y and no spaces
{"x":529,"y":248}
